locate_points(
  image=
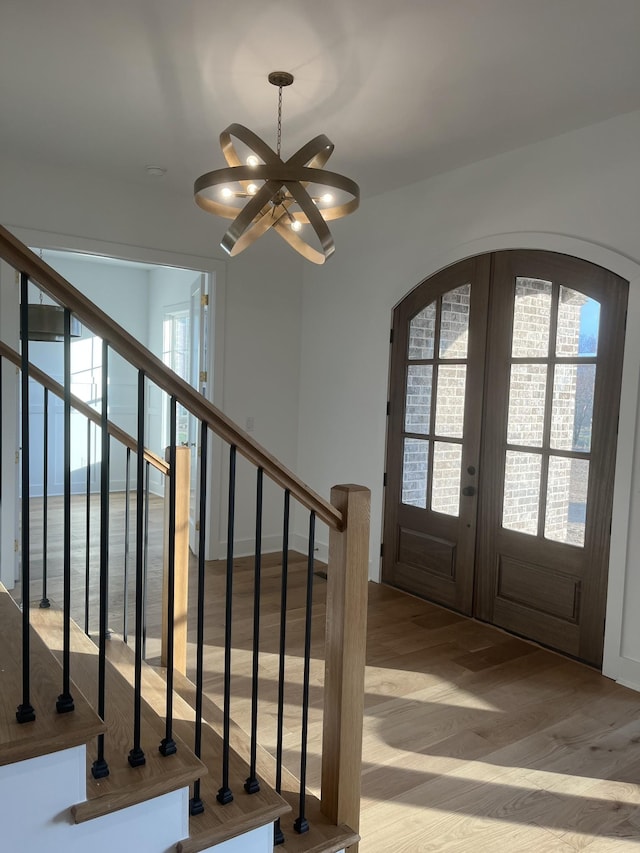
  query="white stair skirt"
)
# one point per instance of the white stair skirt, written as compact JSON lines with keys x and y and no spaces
{"x":36,"y":797}
{"x":35,"y":811}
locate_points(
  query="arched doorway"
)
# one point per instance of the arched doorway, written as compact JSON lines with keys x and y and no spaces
{"x":505,"y":384}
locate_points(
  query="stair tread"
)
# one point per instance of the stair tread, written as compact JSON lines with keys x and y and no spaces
{"x":50,"y":731}
{"x":217,"y":823}
{"x":323,"y":836}
{"x":125,"y":786}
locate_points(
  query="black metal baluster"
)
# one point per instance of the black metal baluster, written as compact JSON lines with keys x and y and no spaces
{"x":100,"y":767}
{"x":136,"y":754}
{"x":168,"y":744}
{"x":25,"y":712}
{"x":225,"y":794}
{"x":278,"y":835}
{"x":301,"y":823}
{"x":65,"y":699}
{"x":146,"y":560}
{"x":251,"y":785}
{"x":127,"y":484}
{"x":87,"y":565}
{"x":44,"y":601}
{"x":196,"y":806}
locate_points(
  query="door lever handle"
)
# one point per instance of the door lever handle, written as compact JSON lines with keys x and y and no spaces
{"x":468,"y":491}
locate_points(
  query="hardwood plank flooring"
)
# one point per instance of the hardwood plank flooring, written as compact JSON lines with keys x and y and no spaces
{"x":473,"y":740}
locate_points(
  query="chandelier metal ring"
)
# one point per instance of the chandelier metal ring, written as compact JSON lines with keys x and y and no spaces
{"x":277,"y":177}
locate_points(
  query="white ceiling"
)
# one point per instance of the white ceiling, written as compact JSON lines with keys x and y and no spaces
{"x":404,"y":88}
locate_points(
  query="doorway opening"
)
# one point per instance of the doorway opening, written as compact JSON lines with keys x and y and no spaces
{"x":166,"y":308}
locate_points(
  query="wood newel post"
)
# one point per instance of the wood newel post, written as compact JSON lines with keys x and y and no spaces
{"x":345,"y":656}
{"x":181,"y":546}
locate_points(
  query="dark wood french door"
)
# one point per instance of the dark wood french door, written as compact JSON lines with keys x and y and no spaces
{"x":504,"y":394}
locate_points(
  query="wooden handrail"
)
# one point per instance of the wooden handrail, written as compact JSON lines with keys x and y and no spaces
{"x":123,"y":437}
{"x":24,"y":260}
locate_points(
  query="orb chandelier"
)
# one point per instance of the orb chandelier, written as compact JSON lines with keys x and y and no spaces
{"x":263,"y":191}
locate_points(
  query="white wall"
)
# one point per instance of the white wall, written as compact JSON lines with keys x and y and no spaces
{"x":121,"y":291}
{"x":263,"y":338}
{"x":578,"y":193}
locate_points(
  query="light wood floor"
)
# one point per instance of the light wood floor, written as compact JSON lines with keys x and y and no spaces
{"x":474,"y":740}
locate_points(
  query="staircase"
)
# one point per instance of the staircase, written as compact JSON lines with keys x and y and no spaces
{"x":108,"y":749}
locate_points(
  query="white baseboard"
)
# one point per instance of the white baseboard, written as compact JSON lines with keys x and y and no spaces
{"x":300,"y":543}
{"x":273,"y":544}
{"x":247,"y":547}
{"x":625,"y":671}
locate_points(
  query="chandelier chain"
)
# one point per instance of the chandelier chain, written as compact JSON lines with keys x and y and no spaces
{"x":279,"y":140}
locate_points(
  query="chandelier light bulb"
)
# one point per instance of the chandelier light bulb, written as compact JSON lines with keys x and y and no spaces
{"x":327,"y":198}
{"x":225,"y":192}
{"x":295,"y":225}
{"x":252,"y":160}
{"x":252,"y":189}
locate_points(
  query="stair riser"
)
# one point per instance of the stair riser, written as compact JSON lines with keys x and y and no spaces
{"x":257,"y":841}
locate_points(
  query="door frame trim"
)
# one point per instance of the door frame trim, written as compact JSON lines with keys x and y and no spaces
{"x":619,"y":631}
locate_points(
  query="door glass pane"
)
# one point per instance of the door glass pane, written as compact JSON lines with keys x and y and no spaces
{"x":445,"y":488}
{"x":578,"y":324}
{"x":527,"y":391}
{"x":450,"y":400}
{"x":572,"y":412}
{"x":531,"y":318}
{"x":417,"y":412}
{"x":566,"y":500}
{"x":422,"y":331}
{"x":454,"y":322}
{"x":521,"y":492}
{"x":414,"y":472}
